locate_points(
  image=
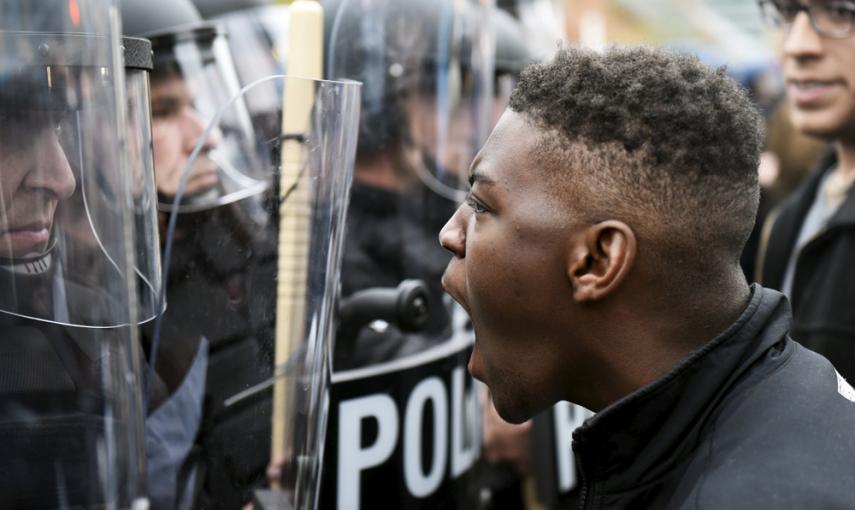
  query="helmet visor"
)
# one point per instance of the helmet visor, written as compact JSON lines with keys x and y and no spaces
{"x":64,"y":194}
{"x":193,"y":79}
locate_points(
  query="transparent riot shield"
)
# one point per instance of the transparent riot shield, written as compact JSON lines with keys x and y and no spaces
{"x":241,"y":353}
{"x":400,"y":394}
{"x":70,"y":409}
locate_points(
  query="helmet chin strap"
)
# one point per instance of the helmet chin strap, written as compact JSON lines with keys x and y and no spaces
{"x":31,"y":265}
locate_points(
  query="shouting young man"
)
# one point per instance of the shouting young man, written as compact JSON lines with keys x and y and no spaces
{"x":598,"y":257}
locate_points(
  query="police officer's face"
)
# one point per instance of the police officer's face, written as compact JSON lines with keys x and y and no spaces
{"x":508,"y":272}
{"x":34,"y":177}
{"x":820,"y":73}
{"x":176,"y":128}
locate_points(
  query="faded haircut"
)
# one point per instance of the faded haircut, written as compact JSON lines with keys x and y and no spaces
{"x":650,"y":137}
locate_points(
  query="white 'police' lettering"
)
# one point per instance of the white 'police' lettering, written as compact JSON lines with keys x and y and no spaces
{"x":422,"y":479}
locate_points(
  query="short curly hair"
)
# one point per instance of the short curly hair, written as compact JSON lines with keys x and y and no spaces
{"x":651,"y":137}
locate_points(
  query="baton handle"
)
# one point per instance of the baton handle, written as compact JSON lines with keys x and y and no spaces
{"x":305,"y":60}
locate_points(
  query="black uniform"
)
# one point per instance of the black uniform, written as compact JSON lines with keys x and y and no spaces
{"x":53,"y":402}
{"x":751,"y":420}
{"x":221,"y":287}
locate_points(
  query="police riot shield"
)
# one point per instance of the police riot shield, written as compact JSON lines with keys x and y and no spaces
{"x":70,"y":410}
{"x":404,"y":414}
{"x":239,"y":356}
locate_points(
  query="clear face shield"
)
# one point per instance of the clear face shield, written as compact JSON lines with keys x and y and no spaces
{"x":69,"y":304}
{"x":251,"y":287}
{"x":193,"y":79}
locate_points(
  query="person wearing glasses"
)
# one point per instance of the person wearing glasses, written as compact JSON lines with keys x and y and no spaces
{"x":808,"y":244}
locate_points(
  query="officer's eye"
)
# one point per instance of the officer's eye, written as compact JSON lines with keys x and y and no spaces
{"x":165,"y":108}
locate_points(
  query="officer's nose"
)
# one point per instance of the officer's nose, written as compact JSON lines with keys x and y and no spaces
{"x":193,"y":127}
{"x":452,"y":237}
{"x":802,"y":41}
{"x":50,"y":171}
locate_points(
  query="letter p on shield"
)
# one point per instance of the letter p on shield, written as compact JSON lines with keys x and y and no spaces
{"x":352,"y":457}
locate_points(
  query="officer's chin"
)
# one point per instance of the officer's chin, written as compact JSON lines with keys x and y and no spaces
{"x":203,"y":182}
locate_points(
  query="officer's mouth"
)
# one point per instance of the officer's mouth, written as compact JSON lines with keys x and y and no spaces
{"x":204,"y":175}
{"x":28,"y":238}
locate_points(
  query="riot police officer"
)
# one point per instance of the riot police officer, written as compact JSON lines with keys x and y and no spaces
{"x":70,"y":386}
{"x":207,"y":323}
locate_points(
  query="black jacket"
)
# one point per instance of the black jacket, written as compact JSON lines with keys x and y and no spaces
{"x":823,"y":292}
{"x":752,"y":420}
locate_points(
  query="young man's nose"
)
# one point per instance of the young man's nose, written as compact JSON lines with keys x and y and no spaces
{"x":452,"y":237}
{"x":50,"y":170}
{"x":193,"y":127}
{"x":802,"y":41}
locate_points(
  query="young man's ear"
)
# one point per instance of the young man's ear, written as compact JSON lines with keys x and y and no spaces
{"x":599,"y":259}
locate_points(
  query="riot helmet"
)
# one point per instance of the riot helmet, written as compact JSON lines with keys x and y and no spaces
{"x":426,"y":70}
{"x":193,"y":78}
{"x":70,"y":396}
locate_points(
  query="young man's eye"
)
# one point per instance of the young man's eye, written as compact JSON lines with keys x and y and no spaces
{"x":475,"y":205}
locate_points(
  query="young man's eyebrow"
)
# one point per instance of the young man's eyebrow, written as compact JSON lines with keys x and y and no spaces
{"x":478,"y":176}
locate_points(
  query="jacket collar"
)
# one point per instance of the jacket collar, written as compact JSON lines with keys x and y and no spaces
{"x":644,"y":435}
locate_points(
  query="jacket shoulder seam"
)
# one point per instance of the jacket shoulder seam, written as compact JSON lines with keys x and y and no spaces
{"x":714,"y":426}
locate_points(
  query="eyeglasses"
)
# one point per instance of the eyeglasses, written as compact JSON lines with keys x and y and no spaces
{"x":833,"y":19}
